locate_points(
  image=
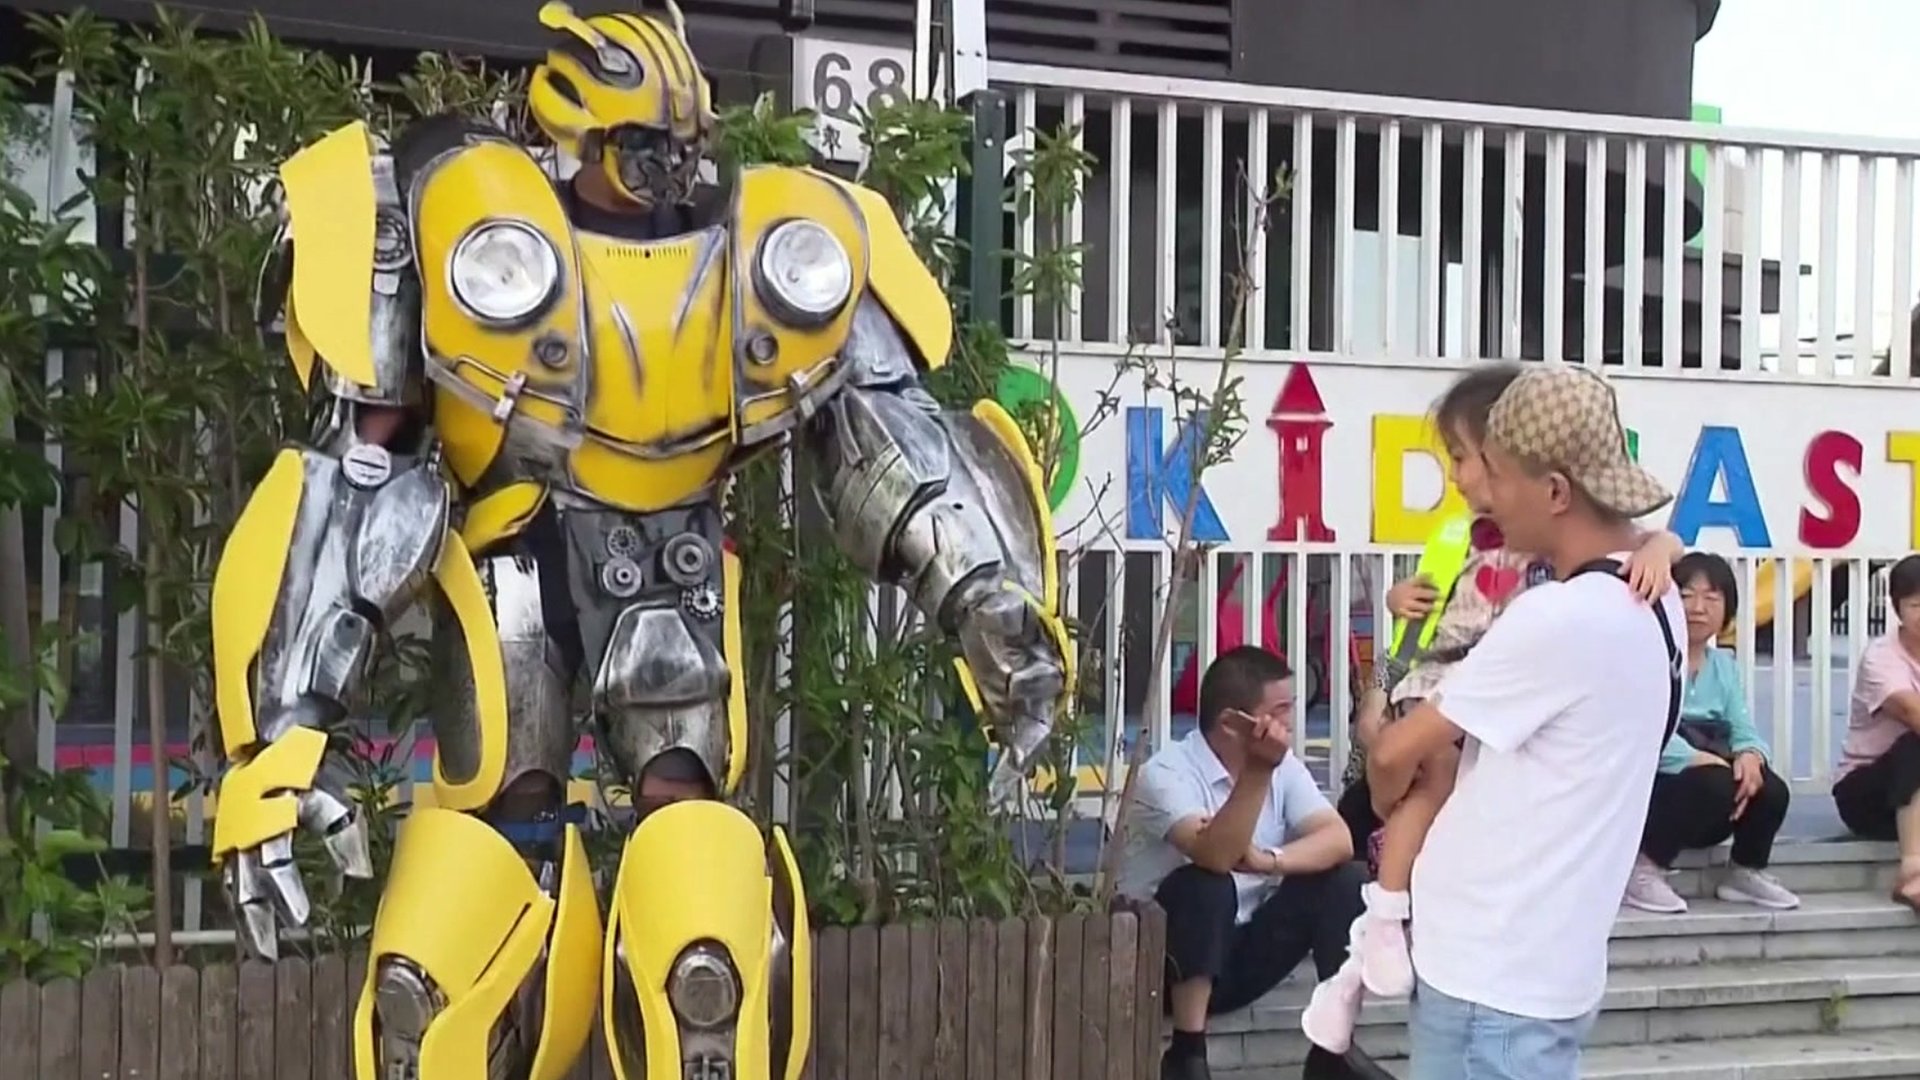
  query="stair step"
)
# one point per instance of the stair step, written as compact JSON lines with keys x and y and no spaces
{"x":1642,"y":1005}
{"x":1777,"y":1057}
{"x":1805,"y":866}
{"x":1826,"y":924}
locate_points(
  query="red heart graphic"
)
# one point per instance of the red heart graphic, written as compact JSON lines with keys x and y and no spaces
{"x":1496,"y":583}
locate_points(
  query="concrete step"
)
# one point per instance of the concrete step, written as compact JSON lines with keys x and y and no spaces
{"x":1645,"y":1005}
{"x":1776,"y":1057}
{"x":1805,"y":866}
{"x":1825,"y":925}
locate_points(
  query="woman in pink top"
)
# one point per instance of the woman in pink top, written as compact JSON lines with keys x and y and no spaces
{"x":1877,"y":784}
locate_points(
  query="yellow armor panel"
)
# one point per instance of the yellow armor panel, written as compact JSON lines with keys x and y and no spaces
{"x":532,"y":365}
{"x":459,"y":581}
{"x":766,"y":198}
{"x":330,"y":201}
{"x":259,"y":797}
{"x":692,"y":871}
{"x":246,"y":586}
{"x":479,"y":950}
{"x":904,"y":285}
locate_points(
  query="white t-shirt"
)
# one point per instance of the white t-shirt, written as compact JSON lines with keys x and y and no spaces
{"x":1187,"y":780}
{"x":1565,"y":704}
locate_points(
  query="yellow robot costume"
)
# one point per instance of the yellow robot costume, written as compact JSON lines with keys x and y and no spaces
{"x":531,"y":395}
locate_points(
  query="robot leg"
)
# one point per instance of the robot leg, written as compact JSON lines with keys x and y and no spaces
{"x":485,"y":948}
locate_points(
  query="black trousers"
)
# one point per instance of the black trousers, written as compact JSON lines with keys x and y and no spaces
{"x":1693,"y":808}
{"x":1869,"y":796}
{"x":1356,"y":809}
{"x":1307,"y":914}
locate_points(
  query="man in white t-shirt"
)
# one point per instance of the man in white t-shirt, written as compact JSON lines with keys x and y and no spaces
{"x":1564,"y":706}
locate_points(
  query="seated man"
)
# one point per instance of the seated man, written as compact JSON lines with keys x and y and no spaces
{"x":1230,"y":834}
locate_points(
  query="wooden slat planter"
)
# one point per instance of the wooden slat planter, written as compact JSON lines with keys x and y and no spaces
{"x":1069,"y":998}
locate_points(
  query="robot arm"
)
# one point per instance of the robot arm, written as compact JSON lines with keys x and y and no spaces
{"x":949,"y":506}
{"x":336,"y":542}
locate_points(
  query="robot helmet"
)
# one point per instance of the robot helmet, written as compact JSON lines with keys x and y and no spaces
{"x":624,"y":93}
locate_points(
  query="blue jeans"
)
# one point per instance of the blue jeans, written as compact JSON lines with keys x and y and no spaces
{"x":1458,"y":1040}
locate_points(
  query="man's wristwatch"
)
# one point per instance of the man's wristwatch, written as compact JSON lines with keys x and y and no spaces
{"x":1275,"y":852}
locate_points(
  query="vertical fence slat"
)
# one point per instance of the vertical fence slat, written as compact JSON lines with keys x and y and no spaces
{"x":923,"y":975}
{"x":253,"y":1022}
{"x":100,"y":1023}
{"x":219,"y":992}
{"x":1866,"y":230}
{"x":1900,"y":348}
{"x":830,"y":1003}
{"x":1389,"y":212}
{"x":1512,"y":232}
{"x":1120,"y":223}
{"x":1069,"y":937}
{"x":293,"y":1023}
{"x":1095,"y":965}
{"x":1429,"y":338}
{"x":1473,"y":202}
{"x":60,"y":1030}
{"x":894,"y":988}
{"x":1752,"y":198}
{"x":981,"y":1046}
{"x":179,"y":1024}
{"x":1633,"y":276}
{"x":1593,"y":308}
{"x":1713,"y":262}
{"x":1259,"y":186}
{"x":863,"y":1022}
{"x":1150,"y":980}
{"x":1122,"y":981}
{"x":1346,"y":133}
{"x":1010,"y":1000}
{"x":331,"y":1010}
{"x":952,"y":1008}
{"x":1827,"y":297}
{"x":1553,"y":291}
{"x":1791,"y":203}
{"x":1300,"y":213}
{"x":1037,"y":1016}
{"x":20,"y":1022}
{"x":140,"y":1023}
{"x":1673,"y":194}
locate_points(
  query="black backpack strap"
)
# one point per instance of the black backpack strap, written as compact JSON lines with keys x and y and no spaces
{"x":1675,"y":659}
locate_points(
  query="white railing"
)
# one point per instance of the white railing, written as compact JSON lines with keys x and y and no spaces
{"x":1797,"y":667}
{"x":1488,"y":206}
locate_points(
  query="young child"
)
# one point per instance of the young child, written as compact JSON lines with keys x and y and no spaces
{"x":1486,"y":582}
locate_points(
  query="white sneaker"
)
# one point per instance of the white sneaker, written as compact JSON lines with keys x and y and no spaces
{"x":1648,"y":890}
{"x":1743,"y":885}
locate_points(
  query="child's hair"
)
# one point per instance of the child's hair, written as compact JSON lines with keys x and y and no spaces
{"x":1904,"y":579}
{"x":1465,"y":405}
{"x":1714,"y":570}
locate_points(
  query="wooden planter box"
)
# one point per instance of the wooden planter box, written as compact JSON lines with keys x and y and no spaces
{"x":1072,"y":998}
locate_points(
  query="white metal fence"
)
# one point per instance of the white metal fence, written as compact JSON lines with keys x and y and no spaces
{"x":1514,"y":232}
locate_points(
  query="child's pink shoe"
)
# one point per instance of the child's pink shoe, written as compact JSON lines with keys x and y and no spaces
{"x":1333,"y":1010}
{"x":1386,"y":963}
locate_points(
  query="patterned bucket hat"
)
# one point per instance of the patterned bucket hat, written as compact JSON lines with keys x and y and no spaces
{"x":1566,"y":418}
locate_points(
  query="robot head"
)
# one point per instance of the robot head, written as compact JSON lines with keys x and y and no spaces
{"x":623,"y":94}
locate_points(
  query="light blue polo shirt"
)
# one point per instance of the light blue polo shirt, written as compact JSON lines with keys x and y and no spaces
{"x":1187,"y":779}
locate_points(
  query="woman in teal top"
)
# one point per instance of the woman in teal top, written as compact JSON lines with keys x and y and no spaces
{"x":1714,"y":780}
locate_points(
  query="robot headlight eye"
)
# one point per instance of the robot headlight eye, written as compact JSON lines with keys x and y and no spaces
{"x":803,"y":273}
{"x":504,"y":272}
{"x":703,"y":989}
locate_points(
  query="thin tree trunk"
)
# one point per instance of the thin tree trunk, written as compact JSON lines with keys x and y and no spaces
{"x":19,"y":742}
{"x":151,"y":516}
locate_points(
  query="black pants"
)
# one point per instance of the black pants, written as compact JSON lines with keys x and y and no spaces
{"x":1693,"y":808}
{"x":1307,"y":914}
{"x":1869,"y":796}
{"x":1356,"y":809}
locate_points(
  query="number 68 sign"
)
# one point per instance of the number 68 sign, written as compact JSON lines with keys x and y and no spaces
{"x":841,"y":79}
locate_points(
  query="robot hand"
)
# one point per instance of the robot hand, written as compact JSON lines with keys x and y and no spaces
{"x":262,"y":881}
{"x":1019,"y":669}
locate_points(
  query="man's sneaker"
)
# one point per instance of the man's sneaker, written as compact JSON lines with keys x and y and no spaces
{"x":1748,"y":886}
{"x":1648,"y":890}
{"x":1184,"y":1067}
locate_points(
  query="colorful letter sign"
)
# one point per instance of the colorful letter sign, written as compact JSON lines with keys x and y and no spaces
{"x":1395,"y":439}
{"x":1158,"y":478}
{"x":1719,"y":457}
